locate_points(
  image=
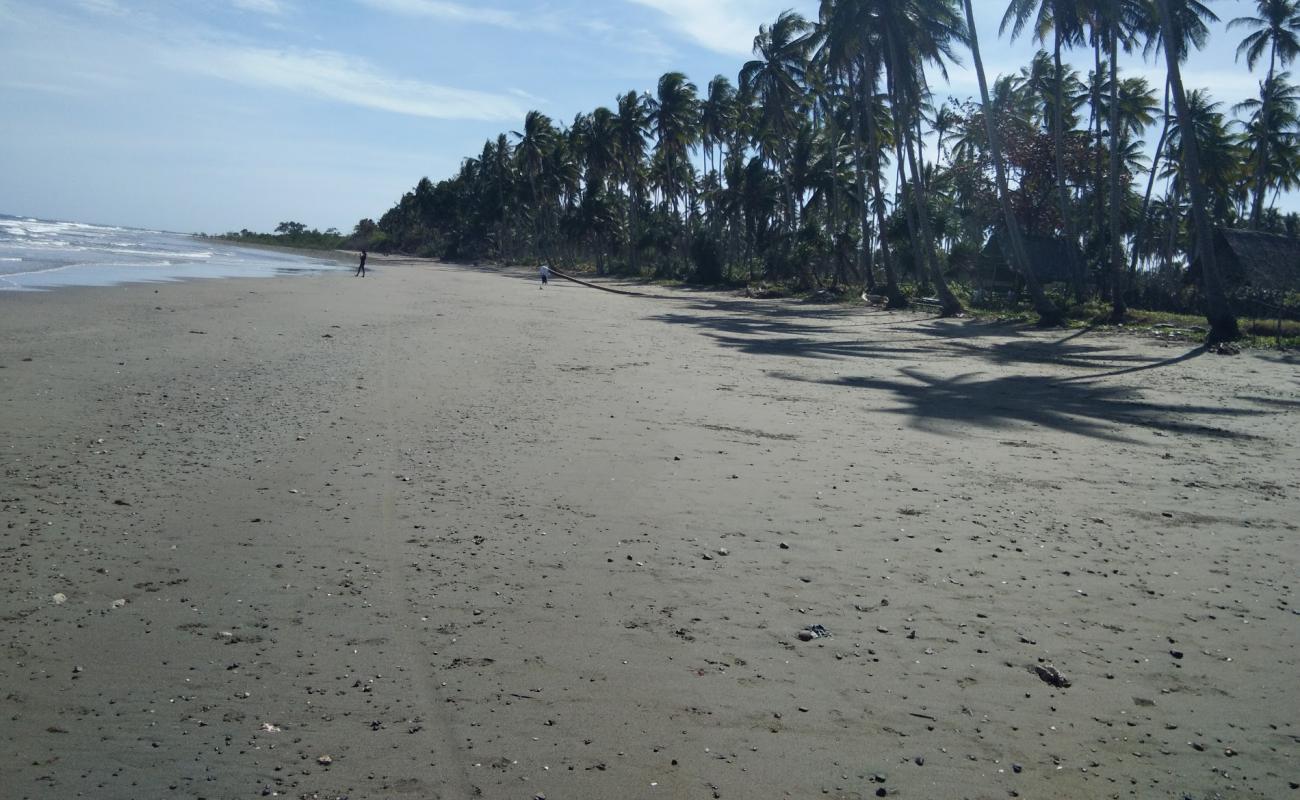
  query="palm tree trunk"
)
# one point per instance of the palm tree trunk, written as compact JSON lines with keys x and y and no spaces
{"x":1048,"y":313}
{"x":949,"y":305}
{"x":860,"y":183}
{"x":1261,"y":166}
{"x":1098,"y":210}
{"x":1223,"y":323}
{"x":1140,"y":233}
{"x":632,"y":222}
{"x":896,"y":297}
{"x":1117,"y":309}
{"x":1062,"y":193}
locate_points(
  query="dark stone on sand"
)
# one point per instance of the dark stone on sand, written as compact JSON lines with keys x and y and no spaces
{"x":1051,"y":675}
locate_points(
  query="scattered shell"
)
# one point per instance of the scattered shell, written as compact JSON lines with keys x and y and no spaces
{"x":59,"y":598}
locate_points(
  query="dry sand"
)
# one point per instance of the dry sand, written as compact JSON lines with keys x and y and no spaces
{"x":459,"y":537}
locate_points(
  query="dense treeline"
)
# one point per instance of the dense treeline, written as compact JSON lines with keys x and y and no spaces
{"x":292,"y":234}
{"x":830,"y":162}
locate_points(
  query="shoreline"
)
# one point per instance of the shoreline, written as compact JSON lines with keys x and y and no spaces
{"x":446,"y":533}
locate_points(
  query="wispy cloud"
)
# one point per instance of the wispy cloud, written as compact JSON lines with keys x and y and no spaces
{"x":345,"y":79}
{"x":276,"y":8}
{"x":110,"y":7}
{"x":454,"y":12}
{"x":724,"y":26}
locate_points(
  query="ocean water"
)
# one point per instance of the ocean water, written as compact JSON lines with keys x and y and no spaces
{"x":39,"y":254}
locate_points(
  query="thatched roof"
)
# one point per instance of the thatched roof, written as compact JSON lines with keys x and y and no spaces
{"x":1260,"y":261}
{"x":1048,"y":257}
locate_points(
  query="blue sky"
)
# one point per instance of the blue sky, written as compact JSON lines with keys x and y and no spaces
{"x":228,"y":114}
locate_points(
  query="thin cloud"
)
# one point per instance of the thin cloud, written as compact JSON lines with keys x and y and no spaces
{"x":345,"y":79}
{"x":109,"y":7}
{"x":724,"y":26}
{"x":275,"y":8}
{"x":454,"y":12}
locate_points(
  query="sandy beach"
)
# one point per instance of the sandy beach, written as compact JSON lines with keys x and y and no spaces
{"x":440,"y":534}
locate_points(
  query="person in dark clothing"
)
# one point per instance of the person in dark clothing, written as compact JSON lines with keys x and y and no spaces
{"x":361,"y":268}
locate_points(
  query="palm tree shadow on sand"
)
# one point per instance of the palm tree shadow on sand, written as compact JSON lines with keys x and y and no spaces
{"x":946,"y":405}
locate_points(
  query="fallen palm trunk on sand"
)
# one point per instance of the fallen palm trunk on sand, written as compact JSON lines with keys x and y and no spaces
{"x":557,"y":273}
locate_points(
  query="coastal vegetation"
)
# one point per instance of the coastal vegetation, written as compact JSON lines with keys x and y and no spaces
{"x":291,"y":234}
{"x":831,"y":162}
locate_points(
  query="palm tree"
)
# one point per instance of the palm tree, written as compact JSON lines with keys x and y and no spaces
{"x":1277,"y":29}
{"x":1048,"y":313}
{"x":717,"y":117}
{"x":911,"y":34}
{"x":1223,"y":323}
{"x":535,"y":143}
{"x":1274,"y":134}
{"x":945,"y":120}
{"x":1112,"y":23}
{"x":630,"y":124}
{"x":850,"y":54}
{"x":1190,"y":31}
{"x":775,"y":80}
{"x":1064,"y":19}
{"x":1221,"y":157}
{"x":674,"y":115}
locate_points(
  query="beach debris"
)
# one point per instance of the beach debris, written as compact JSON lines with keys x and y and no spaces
{"x":811,"y":632}
{"x":118,"y":603}
{"x":268,"y":727}
{"x":1225,"y":349}
{"x":325,"y":760}
{"x":59,"y":598}
{"x":1016,"y":768}
{"x":1051,"y":675}
{"x":201,"y":333}
{"x":722,"y":551}
{"x":1176,"y":653}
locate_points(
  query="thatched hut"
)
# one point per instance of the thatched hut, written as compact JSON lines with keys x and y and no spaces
{"x":1049,"y":258}
{"x":1254,"y":263}
{"x":1261,"y":272}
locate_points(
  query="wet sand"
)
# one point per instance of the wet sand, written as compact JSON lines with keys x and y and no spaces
{"x":439,"y":533}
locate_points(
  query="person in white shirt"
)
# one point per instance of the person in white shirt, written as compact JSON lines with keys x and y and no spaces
{"x":545,"y":272}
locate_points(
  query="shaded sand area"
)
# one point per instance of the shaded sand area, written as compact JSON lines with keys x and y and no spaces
{"x":437,"y":533}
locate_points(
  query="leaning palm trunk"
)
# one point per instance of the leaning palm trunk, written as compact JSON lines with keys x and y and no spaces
{"x":1223,"y":324}
{"x":949,"y":305}
{"x":1048,"y":313}
{"x":896,"y":297}
{"x":1062,"y":193}
{"x":1140,"y":234}
{"x":860,"y":182}
{"x":1261,"y":167}
{"x":631,"y":220}
{"x":1117,"y":309}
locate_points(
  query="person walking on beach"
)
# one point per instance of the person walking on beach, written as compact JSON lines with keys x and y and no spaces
{"x":361,"y":268}
{"x":545,"y":272}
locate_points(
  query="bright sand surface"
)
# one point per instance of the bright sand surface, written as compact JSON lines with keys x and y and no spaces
{"x":438,"y":533}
